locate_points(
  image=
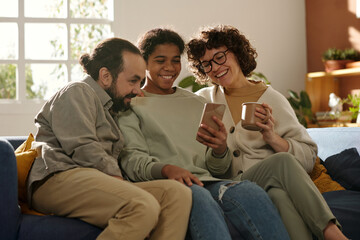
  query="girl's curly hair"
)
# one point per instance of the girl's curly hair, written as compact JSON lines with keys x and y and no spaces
{"x":215,"y":37}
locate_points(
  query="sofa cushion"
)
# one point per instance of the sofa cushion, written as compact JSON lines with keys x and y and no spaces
{"x":345,"y":205}
{"x":344,"y":168}
{"x":53,"y":227}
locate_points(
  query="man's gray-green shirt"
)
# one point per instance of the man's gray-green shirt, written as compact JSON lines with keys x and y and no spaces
{"x":76,"y":129}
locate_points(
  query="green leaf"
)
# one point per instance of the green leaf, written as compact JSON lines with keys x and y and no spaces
{"x":294,"y":95}
{"x":258,"y":76}
{"x":187,"y":82}
{"x":294,"y":104}
{"x":307,"y":112}
{"x":305,"y":100}
{"x":303,"y":122}
{"x":196,"y":87}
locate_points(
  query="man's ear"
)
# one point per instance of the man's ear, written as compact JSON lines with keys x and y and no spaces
{"x":105,"y":78}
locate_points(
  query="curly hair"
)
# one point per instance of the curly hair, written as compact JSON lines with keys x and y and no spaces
{"x":148,"y":42}
{"x":109,"y":54}
{"x":215,"y":37}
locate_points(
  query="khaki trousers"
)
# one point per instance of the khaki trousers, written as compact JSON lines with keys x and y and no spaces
{"x":301,"y":206}
{"x":159,"y":209}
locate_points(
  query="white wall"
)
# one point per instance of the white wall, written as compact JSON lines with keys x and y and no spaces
{"x":276,"y":28}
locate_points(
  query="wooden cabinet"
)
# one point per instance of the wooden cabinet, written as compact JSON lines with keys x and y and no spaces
{"x":320,"y":84}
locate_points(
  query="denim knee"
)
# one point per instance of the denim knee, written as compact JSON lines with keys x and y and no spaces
{"x":201,"y":195}
{"x":243,"y":191}
{"x":207,"y":220}
{"x":250,"y":209}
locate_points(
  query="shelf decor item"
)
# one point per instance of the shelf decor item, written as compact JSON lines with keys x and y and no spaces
{"x":354,"y":102}
{"x":335,"y":59}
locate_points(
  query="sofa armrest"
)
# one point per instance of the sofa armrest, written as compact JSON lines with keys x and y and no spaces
{"x":9,"y":208}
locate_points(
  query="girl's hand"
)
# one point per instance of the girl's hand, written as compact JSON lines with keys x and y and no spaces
{"x":181,"y":175}
{"x":216,"y":140}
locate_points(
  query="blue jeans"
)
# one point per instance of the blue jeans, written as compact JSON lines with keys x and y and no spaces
{"x":249,"y":209}
{"x":207,"y":220}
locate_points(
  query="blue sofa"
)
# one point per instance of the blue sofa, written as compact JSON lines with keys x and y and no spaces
{"x":339,"y":148}
{"x":14,"y":225}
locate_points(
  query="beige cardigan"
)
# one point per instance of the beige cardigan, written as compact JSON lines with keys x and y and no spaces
{"x":248,"y":147}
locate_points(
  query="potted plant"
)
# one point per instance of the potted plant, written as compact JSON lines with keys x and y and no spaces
{"x":351,"y":54}
{"x":335,"y":58}
{"x":302,"y":106}
{"x":354,"y":102}
{"x":354,"y":55}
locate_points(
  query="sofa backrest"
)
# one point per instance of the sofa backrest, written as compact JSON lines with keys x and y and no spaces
{"x":333,"y":140}
{"x":15,"y":141}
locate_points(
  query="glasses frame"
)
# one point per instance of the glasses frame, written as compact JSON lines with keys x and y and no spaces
{"x":213,"y":60}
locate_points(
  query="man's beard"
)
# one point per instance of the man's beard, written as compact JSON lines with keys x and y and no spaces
{"x":119,"y":104}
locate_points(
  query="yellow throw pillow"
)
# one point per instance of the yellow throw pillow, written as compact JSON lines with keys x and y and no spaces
{"x":25,"y":157}
{"x":322,"y":180}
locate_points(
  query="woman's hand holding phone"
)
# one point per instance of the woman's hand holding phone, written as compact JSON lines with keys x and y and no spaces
{"x":212,"y":132}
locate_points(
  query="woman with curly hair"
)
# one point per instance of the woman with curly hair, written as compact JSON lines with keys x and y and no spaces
{"x":279,"y":156}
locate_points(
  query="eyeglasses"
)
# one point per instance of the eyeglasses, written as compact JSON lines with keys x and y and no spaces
{"x":219,"y":58}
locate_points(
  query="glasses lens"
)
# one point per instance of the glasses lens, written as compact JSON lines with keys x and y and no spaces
{"x":220,"y":58}
{"x":206,"y":66}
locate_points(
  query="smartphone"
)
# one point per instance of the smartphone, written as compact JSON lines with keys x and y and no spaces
{"x":210,"y":110}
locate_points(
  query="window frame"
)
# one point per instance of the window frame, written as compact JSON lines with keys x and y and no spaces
{"x":22,"y":105}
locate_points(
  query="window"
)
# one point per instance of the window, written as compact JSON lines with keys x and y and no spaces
{"x":43,"y":41}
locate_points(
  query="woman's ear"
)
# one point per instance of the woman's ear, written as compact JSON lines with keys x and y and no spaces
{"x":105,"y":78}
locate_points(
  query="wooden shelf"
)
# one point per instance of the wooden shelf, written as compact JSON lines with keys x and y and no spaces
{"x":348,"y":72}
{"x":319,"y":85}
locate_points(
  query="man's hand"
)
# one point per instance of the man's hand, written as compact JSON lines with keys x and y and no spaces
{"x":180,"y":174}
